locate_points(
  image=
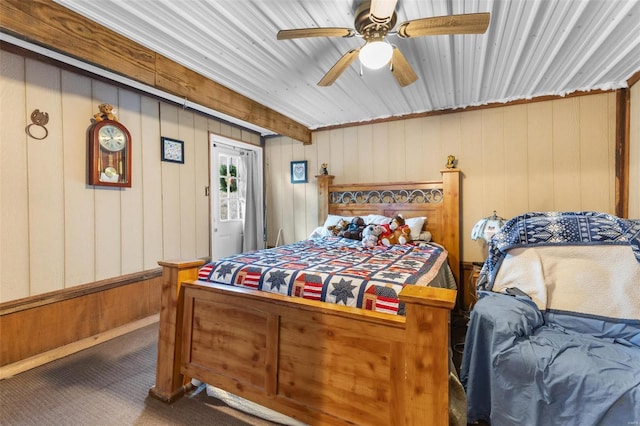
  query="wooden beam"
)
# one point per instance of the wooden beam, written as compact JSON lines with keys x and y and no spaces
{"x":46,"y":23}
{"x":623,"y":137}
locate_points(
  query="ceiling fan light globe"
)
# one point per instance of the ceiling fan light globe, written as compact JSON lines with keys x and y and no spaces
{"x":375,"y":54}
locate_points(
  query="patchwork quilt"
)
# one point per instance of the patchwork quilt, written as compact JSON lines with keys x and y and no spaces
{"x":334,"y":270}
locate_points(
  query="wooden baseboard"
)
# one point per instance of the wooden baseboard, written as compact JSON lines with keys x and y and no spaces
{"x":41,"y":324}
{"x":57,"y":353}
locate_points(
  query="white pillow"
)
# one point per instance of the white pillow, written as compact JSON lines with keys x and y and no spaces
{"x":376,"y":219}
{"x":415,"y":224}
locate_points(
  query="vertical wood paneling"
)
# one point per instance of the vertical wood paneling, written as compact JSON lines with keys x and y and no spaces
{"x":594,"y":152}
{"x":450,"y":141}
{"x":381,"y":153}
{"x":338,"y":155}
{"x":566,"y":154}
{"x":311,"y":201}
{"x":107,"y":204}
{"x":397,"y":158}
{"x":321,"y":140}
{"x":287,"y":190}
{"x":432,"y":162}
{"x":471,"y":163}
{"x":45,"y":176}
{"x":493,"y":157}
{"x":170,"y":187}
{"x":79,"y":214}
{"x":298,"y":223}
{"x":149,"y":141}
{"x":634,"y":153}
{"x":541,"y":188}
{"x":368,"y":160}
{"x":350,"y":162}
{"x":201,"y":181}
{"x":515,"y":160}
{"x":14,"y":202}
{"x":132,"y":229}
{"x":414,"y":152}
{"x":187,"y":178}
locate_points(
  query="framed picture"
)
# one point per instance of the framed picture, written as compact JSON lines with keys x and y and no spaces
{"x":299,"y":171}
{"x":172,"y":150}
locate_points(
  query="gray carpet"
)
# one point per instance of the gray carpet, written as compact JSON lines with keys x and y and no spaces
{"x":107,"y":385}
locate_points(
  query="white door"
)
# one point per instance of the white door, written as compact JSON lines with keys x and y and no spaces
{"x":227,"y":204}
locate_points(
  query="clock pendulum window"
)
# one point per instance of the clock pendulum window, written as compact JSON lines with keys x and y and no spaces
{"x":110,"y":154}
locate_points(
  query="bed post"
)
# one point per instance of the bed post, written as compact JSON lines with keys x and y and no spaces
{"x":451,"y":219}
{"x":426,"y":389}
{"x":323,"y":196}
{"x":169,"y":381}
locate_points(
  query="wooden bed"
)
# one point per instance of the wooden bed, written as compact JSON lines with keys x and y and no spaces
{"x":317,"y":362}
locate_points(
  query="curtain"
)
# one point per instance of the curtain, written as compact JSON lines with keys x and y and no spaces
{"x":253,"y":235}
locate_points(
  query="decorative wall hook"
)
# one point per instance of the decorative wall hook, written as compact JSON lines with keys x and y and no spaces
{"x":39,"y":119}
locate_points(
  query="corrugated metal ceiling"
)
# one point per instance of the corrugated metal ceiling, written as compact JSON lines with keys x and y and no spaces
{"x":531,"y":48}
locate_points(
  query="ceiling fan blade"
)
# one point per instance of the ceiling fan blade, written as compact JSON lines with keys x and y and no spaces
{"x":470,"y":23}
{"x":315,"y":32}
{"x":382,"y":10}
{"x":339,"y":67}
{"x":401,"y":68}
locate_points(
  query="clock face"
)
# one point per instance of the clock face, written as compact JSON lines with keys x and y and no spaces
{"x":112,"y":138}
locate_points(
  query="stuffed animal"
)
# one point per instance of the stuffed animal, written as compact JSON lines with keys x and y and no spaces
{"x":396,"y":232}
{"x":338,"y":227}
{"x":106,"y":113}
{"x":370,"y":235}
{"x":354,"y":230}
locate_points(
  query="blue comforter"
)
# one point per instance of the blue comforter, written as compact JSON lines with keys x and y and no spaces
{"x":523,"y":367}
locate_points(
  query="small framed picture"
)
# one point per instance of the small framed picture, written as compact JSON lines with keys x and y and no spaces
{"x":172,"y":150}
{"x":299,"y":171}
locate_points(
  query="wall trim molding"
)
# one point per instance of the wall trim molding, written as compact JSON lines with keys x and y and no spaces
{"x":39,"y":300}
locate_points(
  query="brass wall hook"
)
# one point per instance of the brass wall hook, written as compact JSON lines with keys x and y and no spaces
{"x":39,"y":119}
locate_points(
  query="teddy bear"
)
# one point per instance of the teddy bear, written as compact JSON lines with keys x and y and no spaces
{"x":370,"y":235}
{"x":106,"y":113}
{"x":338,"y":227}
{"x":354,"y":229}
{"x":396,"y":232}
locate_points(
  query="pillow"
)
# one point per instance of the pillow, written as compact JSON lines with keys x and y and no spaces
{"x":415,"y":224}
{"x":376,"y":219}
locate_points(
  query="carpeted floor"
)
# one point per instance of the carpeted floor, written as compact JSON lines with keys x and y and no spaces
{"x":107,"y":385}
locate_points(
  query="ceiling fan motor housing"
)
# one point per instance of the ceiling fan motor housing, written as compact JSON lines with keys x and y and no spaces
{"x":367,"y":27}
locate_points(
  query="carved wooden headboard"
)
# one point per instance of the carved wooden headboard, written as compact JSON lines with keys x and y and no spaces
{"x":438,"y":201}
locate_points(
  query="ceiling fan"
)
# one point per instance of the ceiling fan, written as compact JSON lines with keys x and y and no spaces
{"x":376,"y":19}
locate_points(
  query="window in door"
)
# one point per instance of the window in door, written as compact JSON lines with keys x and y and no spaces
{"x":231,"y":181}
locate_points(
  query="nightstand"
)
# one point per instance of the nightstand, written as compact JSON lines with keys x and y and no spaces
{"x":471,"y":286}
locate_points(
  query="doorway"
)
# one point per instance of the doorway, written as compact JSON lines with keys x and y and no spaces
{"x":237,"y":206}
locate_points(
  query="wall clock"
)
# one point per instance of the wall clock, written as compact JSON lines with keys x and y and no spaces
{"x":109,"y":154}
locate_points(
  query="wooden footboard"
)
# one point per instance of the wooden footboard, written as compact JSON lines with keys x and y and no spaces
{"x":317,"y":362}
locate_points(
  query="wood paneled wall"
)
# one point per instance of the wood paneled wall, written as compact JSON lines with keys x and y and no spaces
{"x":57,"y":231}
{"x":634,"y":153}
{"x":550,"y":155}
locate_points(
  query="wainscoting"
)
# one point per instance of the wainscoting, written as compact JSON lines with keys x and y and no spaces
{"x":39,"y":329}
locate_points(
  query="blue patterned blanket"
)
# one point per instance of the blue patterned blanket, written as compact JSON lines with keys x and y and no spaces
{"x":557,"y":228}
{"x":332,"y":269}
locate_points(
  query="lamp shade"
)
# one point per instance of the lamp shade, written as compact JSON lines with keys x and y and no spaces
{"x":487,"y":227}
{"x":375,"y":54}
